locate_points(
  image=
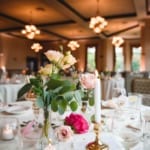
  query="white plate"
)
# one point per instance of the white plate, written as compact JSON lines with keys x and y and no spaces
{"x":16,"y":109}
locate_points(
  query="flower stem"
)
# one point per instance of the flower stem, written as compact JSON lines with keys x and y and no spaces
{"x":46,"y":123}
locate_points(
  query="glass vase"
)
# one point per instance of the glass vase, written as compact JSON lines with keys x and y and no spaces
{"x":46,"y":129}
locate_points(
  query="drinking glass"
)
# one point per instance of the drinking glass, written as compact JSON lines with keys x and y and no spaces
{"x":10,"y":137}
{"x":134,"y":100}
{"x":146,"y":124}
{"x":146,"y":138}
{"x":127,"y":125}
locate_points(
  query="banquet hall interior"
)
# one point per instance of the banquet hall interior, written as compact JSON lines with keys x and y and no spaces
{"x":116,"y":44}
{"x":60,"y":22}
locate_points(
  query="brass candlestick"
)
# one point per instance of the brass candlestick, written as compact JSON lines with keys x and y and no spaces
{"x":97,"y":144}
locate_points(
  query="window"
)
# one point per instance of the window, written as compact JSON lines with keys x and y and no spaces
{"x":91,"y":58}
{"x":119,"y":59}
{"x":136,"y":58}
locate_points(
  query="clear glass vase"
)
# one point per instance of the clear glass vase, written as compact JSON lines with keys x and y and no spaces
{"x":46,"y":129}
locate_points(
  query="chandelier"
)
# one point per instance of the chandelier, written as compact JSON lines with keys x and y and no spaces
{"x":30,"y":31}
{"x":73,"y":45}
{"x":117,"y":41}
{"x":36,"y":47}
{"x":97,"y":23}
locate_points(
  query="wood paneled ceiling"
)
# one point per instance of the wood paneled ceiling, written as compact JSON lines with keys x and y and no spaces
{"x":69,"y":19}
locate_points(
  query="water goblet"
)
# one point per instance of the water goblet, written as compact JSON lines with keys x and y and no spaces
{"x":127,"y":126}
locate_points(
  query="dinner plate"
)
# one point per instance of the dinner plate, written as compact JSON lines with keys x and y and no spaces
{"x":16,"y":109}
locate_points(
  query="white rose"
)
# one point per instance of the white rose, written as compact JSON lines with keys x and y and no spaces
{"x":53,"y":55}
{"x":68,"y":61}
{"x":47,"y":70}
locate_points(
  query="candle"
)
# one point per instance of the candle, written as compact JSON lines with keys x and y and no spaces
{"x":7,"y":133}
{"x":97,"y":99}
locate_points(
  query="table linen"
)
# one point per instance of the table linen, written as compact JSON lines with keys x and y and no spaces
{"x":78,"y":141}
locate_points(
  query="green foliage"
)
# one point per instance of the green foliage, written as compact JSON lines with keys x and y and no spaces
{"x":55,"y":93}
{"x":24,"y":90}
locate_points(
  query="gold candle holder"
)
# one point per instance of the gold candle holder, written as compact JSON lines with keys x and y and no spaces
{"x":97,"y":144}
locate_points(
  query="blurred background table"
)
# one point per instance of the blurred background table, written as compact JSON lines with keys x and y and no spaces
{"x":110,"y":85}
{"x":8,"y":91}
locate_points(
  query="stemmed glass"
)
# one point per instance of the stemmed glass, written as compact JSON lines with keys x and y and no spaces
{"x":146,"y":128}
{"x":127,"y":125}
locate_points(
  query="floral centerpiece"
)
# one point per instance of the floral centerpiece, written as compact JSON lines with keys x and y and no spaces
{"x":52,"y":91}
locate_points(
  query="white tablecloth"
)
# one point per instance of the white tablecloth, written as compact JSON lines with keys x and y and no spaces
{"x":78,"y":141}
{"x":109,"y":86}
{"x":8,"y":92}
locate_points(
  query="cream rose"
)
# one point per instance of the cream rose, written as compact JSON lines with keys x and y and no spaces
{"x":68,"y":61}
{"x":53,"y":55}
{"x":47,"y":70}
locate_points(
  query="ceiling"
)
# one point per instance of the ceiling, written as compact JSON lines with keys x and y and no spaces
{"x":69,"y":19}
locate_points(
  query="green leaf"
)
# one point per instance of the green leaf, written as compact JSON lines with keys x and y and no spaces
{"x":35,"y":82}
{"x":73,"y":105}
{"x":37,"y":90}
{"x":47,"y":97}
{"x":77,"y":95}
{"x":39,"y":102}
{"x":65,"y":84}
{"x":68,"y":95}
{"x":54,"y":105}
{"x":62,"y":106}
{"x":57,"y":90}
{"x":91,"y":101}
{"x":24,"y":90}
{"x":54,"y":83}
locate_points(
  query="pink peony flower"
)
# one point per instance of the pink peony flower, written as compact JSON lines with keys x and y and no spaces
{"x":88,"y":80}
{"x":77,"y":122}
{"x":63,"y":133}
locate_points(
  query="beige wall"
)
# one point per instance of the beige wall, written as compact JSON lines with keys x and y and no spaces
{"x":16,"y":50}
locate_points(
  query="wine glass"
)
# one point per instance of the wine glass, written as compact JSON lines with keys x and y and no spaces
{"x":146,"y":124}
{"x":134,"y":100}
{"x":127,"y":125}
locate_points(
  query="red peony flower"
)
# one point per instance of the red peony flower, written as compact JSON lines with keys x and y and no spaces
{"x":77,"y":122}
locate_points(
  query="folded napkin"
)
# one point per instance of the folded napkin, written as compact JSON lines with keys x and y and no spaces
{"x":109,"y":104}
{"x":115,"y":102}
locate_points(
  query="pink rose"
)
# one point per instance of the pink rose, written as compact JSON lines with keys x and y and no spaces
{"x":63,"y":133}
{"x":77,"y":122}
{"x":88,"y":80}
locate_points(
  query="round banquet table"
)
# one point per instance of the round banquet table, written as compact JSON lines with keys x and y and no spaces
{"x":8,"y":92}
{"x":77,"y":142}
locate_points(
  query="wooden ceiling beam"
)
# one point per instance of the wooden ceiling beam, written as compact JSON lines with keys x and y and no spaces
{"x":123,"y":30}
{"x":12,"y":19}
{"x":68,"y":11}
